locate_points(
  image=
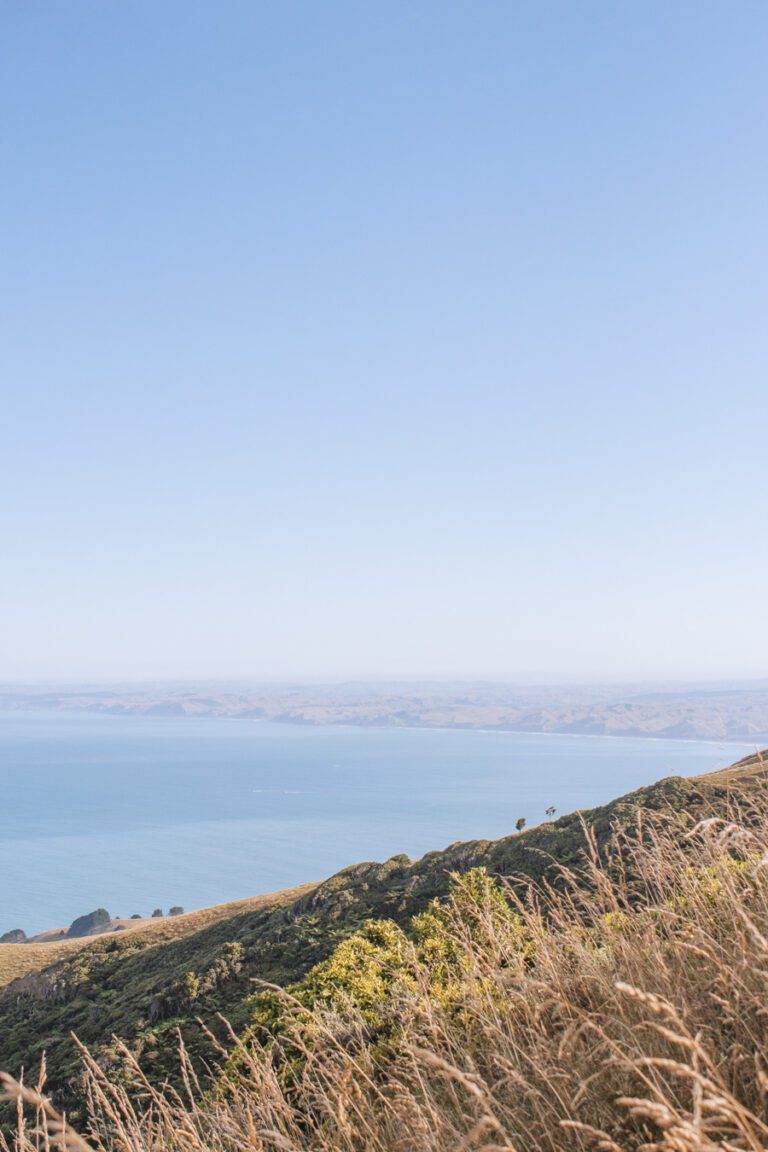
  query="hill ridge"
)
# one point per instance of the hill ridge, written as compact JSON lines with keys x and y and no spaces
{"x":136,"y":984}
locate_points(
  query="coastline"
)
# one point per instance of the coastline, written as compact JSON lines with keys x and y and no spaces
{"x":139,"y":713}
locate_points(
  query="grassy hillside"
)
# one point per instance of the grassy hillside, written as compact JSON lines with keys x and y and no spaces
{"x":18,"y":960}
{"x":144,"y":984}
{"x":23,"y":959}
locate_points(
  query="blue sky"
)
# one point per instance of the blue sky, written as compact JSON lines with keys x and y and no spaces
{"x":407,"y":339}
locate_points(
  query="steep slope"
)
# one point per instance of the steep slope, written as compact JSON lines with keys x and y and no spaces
{"x":17,"y":960}
{"x":143,"y":985}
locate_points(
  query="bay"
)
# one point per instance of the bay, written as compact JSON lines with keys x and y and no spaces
{"x":136,"y":812}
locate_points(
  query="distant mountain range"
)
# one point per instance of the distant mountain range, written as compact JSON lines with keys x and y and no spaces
{"x":724,"y":711}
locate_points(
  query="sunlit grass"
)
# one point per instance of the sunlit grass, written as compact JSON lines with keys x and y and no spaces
{"x":619,"y":1005}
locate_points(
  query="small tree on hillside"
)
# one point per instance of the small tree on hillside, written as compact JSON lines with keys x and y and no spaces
{"x":177,"y":910}
{"x":157,"y":913}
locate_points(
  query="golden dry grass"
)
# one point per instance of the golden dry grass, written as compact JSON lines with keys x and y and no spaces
{"x":621,"y":1009}
{"x":18,"y":960}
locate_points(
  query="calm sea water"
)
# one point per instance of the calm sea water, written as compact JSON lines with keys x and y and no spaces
{"x":136,"y":812}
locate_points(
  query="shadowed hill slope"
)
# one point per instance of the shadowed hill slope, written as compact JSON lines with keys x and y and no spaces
{"x":145,"y":984}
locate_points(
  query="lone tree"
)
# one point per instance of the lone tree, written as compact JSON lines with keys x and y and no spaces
{"x":158,"y":912}
{"x":520,"y":824}
{"x":177,"y":910}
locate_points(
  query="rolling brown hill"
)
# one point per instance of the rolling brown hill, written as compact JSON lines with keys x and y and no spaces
{"x":145,"y":983}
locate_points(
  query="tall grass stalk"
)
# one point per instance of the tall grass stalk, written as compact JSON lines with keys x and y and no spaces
{"x":635,"y":1016}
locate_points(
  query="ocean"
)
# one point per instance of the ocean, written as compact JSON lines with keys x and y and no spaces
{"x":137,"y":812}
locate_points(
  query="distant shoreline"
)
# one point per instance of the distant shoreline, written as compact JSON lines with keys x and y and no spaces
{"x":362,"y":725}
{"x":726,"y":712}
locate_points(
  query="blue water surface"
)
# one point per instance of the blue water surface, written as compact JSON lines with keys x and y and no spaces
{"x":137,"y":812}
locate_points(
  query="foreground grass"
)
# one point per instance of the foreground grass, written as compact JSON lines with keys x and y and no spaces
{"x":617,"y":1004}
{"x":147,"y":984}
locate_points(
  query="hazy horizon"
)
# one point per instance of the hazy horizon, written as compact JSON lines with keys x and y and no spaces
{"x":191,"y":682}
{"x":424,"y":343}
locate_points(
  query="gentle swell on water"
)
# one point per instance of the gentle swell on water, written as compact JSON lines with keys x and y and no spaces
{"x":138,"y":812}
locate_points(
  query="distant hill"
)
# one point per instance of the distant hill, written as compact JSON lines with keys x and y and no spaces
{"x":136,"y":984}
{"x":89,"y":923}
{"x":14,"y":936}
{"x":724,"y":711}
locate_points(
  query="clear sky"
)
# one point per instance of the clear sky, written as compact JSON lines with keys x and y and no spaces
{"x":385,"y":339}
